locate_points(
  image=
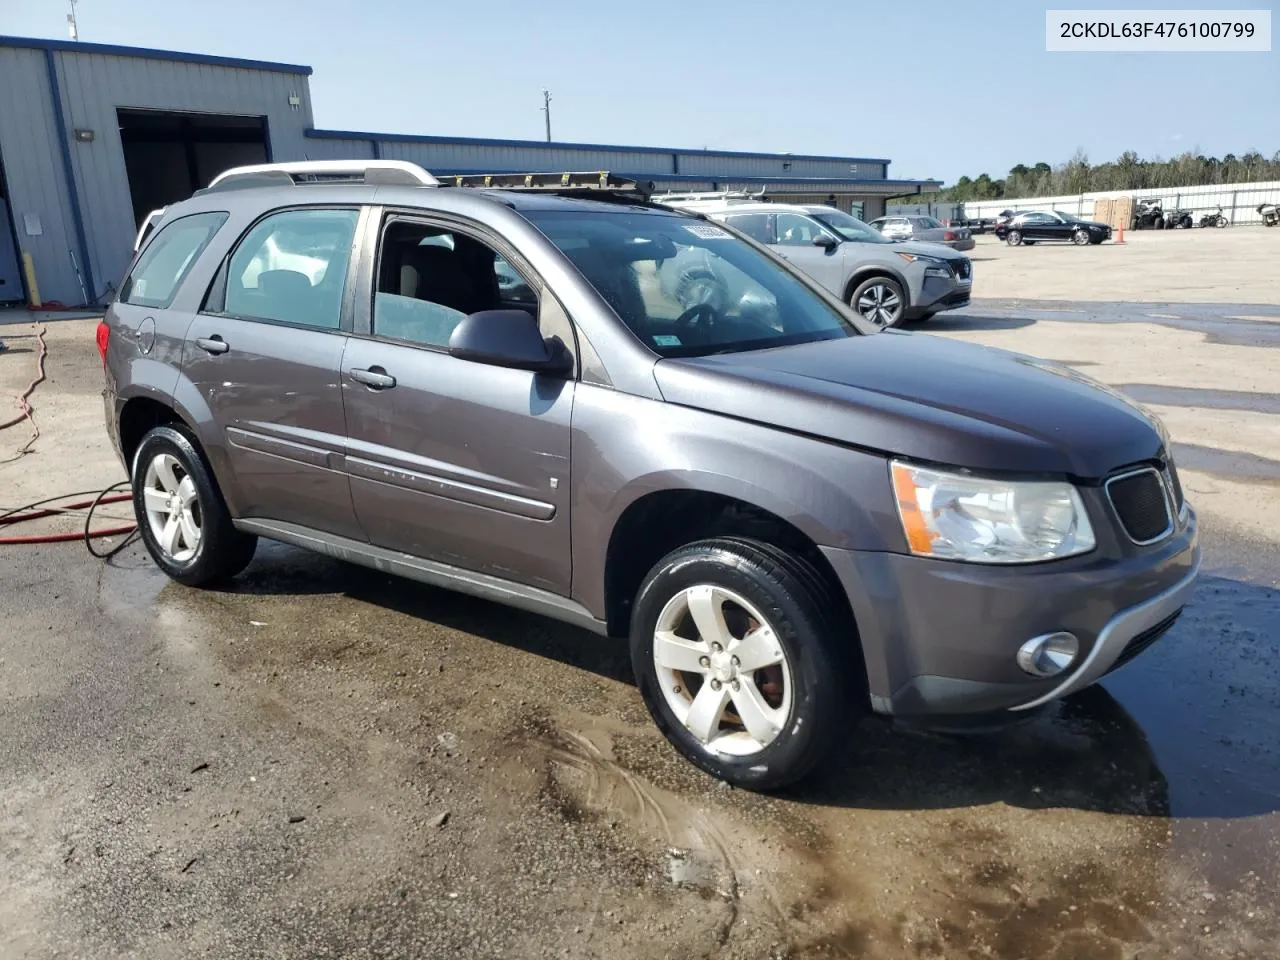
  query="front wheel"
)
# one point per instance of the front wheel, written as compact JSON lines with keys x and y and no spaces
{"x":1080,"y":237}
{"x":879,"y":301}
{"x":182,"y":517}
{"x":734,"y":650}
{"x":1014,"y":239}
{"x":1220,"y":221}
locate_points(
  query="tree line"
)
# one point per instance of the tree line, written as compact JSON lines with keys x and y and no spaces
{"x":1127,"y":172}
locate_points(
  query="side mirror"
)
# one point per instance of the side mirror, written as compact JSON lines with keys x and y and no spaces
{"x":508,"y":338}
{"x":825,"y":241}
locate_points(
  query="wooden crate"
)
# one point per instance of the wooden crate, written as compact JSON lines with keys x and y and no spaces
{"x":1115,"y":212}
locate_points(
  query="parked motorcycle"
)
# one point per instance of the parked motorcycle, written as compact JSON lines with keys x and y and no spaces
{"x":1270,"y":214}
{"x":1213,"y":219}
{"x":1178,"y":220}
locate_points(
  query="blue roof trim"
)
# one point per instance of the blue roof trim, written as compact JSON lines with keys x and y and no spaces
{"x":562,"y":145}
{"x":147,"y":53}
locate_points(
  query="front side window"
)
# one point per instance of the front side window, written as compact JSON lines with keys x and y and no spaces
{"x":155,"y":278}
{"x":851,"y":228}
{"x":292,"y":268}
{"x":797,"y":231}
{"x":686,"y":287}
{"x":431,"y":278}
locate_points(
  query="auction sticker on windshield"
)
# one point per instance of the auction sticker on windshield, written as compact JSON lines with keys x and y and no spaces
{"x":706,"y":231}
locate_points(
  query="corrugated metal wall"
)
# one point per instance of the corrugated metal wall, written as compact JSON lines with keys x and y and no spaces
{"x":33,"y":171}
{"x":93,"y":86}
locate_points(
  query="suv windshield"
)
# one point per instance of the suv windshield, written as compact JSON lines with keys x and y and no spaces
{"x":851,"y":228}
{"x":687,"y":287}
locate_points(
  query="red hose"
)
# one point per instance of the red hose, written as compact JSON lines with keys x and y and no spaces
{"x":67,"y":537}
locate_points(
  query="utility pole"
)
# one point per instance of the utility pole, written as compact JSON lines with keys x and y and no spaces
{"x":546,"y":109}
{"x":71,"y":21}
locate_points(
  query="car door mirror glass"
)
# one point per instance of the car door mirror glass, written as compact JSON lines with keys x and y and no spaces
{"x":508,"y":338}
{"x":826,"y":241}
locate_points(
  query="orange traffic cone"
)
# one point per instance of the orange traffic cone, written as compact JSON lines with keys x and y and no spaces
{"x":1120,"y":236}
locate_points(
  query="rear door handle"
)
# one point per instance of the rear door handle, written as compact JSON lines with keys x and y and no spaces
{"x":375,"y":378}
{"x":214,"y":344}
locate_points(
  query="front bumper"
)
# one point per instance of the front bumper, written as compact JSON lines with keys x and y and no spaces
{"x":938,"y":293}
{"x":940,"y":638}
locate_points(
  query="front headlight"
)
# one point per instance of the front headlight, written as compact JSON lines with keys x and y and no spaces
{"x":914,"y":257}
{"x":953,"y":516}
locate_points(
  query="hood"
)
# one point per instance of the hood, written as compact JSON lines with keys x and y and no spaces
{"x":927,"y":248}
{"x":926,"y":398}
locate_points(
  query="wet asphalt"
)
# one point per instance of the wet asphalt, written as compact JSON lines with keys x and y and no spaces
{"x":322,"y":761}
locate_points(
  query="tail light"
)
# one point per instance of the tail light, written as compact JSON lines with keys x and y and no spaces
{"x":103,"y":336}
{"x":949,"y":235}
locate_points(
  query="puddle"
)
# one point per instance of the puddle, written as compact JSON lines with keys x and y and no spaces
{"x":1157,"y":394}
{"x":1226,"y":463}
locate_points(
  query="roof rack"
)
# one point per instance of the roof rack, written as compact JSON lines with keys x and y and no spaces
{"x":386,"y":172}
{"x":561,"y":183}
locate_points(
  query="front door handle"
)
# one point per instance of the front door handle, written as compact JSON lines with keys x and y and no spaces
{"x":375,"y":378}
{"x":214,"y":344}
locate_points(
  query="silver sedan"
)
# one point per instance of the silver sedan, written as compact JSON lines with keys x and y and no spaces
{"x":925,"y":228}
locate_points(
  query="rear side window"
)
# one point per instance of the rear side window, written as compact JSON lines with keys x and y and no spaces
{"x":292,"y":268}
{"x":754,"y":225}
{"x":155,"y":278}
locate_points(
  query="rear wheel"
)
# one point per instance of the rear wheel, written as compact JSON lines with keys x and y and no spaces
{"x":1014,"y":238}
{"x":734,"y":651}
{"x":880,"y":301}
{"x":182,"y":517}
{"x":1220,"y":221}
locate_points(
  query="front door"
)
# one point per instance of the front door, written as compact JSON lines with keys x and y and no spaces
{"x":265,"y":355}
{"x":795,"y":241}
{"x":454,"y":461}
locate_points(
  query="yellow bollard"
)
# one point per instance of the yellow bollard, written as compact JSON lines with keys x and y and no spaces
{"x":33,"y":291}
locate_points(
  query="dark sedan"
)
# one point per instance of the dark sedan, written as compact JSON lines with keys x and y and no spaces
{"x":1044,"y":225}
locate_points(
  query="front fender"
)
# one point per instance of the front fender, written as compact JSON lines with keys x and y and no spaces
{"x":627,"y":447}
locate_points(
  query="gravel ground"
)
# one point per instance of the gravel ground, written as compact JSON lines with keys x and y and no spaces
{"x":325,"y":762}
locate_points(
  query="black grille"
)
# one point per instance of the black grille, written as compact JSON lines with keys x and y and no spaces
{"x":1140,"y":503}
{"x":1145,"y":639}
{"x":962,"y":268}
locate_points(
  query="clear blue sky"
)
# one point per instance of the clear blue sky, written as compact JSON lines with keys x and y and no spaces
{"x":941,"y":88}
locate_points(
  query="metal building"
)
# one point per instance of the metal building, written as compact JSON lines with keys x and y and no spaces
{"x":94,"y":136}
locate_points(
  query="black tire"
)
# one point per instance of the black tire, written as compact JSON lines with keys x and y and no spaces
{"x":828,"y":687}
{"x":222,"y":551}
{"x":1220,"y":221}
{"x":889,"y":291}
{"x":1080,"y":237}
{"x":1014,"y":238}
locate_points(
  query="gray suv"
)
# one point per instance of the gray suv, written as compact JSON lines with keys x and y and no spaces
{"x":793,"y":518}
{"x":887,"y":281}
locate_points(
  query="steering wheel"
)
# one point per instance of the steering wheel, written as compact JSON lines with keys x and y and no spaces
{"x":701,"y":315}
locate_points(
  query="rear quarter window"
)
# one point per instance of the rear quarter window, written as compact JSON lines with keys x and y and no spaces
{"x":168,"y":258}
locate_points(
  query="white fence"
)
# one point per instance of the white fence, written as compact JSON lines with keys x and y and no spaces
{"x":1239,"y":201}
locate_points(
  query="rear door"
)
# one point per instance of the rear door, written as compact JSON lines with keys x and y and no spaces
{"x":795,"y":241}
{"x":265,"y":354}
{"x":450,"y":460}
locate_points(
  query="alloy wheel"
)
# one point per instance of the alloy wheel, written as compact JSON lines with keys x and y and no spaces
{"x":722,"y":670}
{"x":172,"y":507}
{"x":880,"y":305}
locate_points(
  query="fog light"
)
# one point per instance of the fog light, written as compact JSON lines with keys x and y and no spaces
{"x":1049,"y":655}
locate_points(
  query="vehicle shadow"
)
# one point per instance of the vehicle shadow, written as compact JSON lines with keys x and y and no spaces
{"x":1087,"y":752}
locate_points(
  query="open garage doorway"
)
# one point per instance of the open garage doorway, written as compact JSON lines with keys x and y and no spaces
{"x":169,"y":155}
